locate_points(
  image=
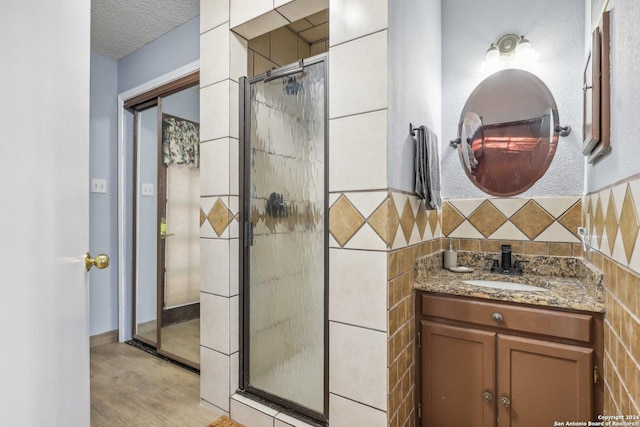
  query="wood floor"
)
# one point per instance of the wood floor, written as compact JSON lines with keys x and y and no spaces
{"x":130,"y":387}
{"x":181,"y":339}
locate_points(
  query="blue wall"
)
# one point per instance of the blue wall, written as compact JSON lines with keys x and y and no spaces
{"x":169,"y":52}
{"x":103,"y":208}
{"x":175,"y":49}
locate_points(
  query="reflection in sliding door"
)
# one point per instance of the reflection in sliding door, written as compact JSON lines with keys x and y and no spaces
{"x":284,"y":208}
{"x":167,"y":221}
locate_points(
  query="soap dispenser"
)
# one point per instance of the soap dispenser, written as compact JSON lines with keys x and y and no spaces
{"x":450,"y":256}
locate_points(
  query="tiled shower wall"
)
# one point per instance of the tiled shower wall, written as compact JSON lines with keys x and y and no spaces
{"x":613,"y":224}
{"x":275,"y":49}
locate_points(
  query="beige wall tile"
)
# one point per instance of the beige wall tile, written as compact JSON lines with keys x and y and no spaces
{"x":259,"y":25}
{"x":318,"y":48}
{"x":278,"y":3}
{"x":358,"y":75}
{"x":358,"y":288}
{"x":234,"y":254}
{"x":234,"y":324}
{"x":213,"y":13}
{"x":298,"y":9}
{"x":358,"y":364}
{"x":242,"y":11}
{"x":214,"y":266}
{"x":556,"y":233}
{"x":508,"y":231}
{"x":344,"y":220}
{"x":214,"y":378}
{"x":358,"y":152}
{"x":351,"y":19}
{"x":284,"y":46}
{"x":366,"y":238}
{"x":238,"y":52}
{"x":245,"y":411}
{"x":250,"y":58}
{"x":206,"y":203}
{"x":560,"y":249}
{"x":284,"y":420}
{"x":532,"y":220}
{"x":214,"y":68}
{"x":344,"y":413}
{"x":487,"y":219}
{"x":215,"y":103}
{"x":214,"y":320}
{"x":261,"y":44}
{"x":214,"y":171}
{"x":262,"y":64}
{"x":303,"y":49}
{"x":558,"y":205}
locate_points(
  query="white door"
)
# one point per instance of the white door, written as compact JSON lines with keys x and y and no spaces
{"x":44,"y":212}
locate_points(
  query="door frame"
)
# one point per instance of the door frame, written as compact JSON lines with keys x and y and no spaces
{"x":125,"y":204}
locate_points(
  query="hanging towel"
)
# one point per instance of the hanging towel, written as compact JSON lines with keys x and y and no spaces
{"x":427,"y":167}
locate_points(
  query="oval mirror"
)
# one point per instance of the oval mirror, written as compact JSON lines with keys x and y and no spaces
{"x":508,"y":132}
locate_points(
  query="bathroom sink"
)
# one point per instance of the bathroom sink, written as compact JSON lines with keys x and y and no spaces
{"x":504,"y":285}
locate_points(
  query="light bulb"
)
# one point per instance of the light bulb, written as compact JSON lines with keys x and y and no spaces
{"x":492,"y":53}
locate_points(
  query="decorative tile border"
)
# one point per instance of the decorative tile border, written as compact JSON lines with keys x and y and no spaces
{"x":380,"y":220}
{"x":611,"y":217}
{"x":219,"y":217}
{"x":541,"y":219}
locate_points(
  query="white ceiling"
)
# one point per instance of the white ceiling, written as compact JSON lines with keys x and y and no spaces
{"x":118,"y":27}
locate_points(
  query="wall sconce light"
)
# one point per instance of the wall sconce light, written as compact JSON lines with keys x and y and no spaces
{"x":511,"y":51}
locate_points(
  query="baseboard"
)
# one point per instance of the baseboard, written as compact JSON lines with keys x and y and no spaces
{"x":180,"y":314}
{"x":103,"y":338}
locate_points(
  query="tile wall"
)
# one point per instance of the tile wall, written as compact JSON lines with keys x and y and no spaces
{"x":612,"y":216}
{"x":275,"y":49}
{"x":286,"y":45}
{"x":398,"y":226}
{"x":537,"y":226}
{"x":358,"y":200}
{"x":223,"y":59}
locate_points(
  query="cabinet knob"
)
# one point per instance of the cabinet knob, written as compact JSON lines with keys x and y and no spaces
{"x":504,"y":401}
{"x":487,"y":396}
{"x":497,"y":317}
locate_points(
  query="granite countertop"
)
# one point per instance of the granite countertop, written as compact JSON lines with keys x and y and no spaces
{"x":576,"y":285}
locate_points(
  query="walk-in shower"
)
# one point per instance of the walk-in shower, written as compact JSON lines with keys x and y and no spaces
{"x":284,"y":237}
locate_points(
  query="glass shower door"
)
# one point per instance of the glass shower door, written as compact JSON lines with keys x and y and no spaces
{"x":285,"y":237}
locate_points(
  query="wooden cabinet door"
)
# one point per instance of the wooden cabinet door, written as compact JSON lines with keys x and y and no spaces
{"x":458,"y":366}
{"x":544,"y":382}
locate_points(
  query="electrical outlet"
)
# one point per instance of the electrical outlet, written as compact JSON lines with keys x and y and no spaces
{"x":147,"y":189}
{"x":98,"y":185}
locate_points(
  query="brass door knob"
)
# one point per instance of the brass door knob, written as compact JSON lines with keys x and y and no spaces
{"x":504,"y":401}
{"x":101,"y":261}
{"x":487,"y":396}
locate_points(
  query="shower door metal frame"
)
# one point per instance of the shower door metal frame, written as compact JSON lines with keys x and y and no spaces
{"x":244,"y":277}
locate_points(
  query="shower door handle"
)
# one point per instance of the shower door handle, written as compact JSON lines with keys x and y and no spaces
{"x":248,"y":234}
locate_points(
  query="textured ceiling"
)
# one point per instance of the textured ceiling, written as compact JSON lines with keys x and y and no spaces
{"x":118,"y":27}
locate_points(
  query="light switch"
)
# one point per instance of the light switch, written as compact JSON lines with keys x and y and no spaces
{"x":147,"y":189}
{"x":98,"y":185}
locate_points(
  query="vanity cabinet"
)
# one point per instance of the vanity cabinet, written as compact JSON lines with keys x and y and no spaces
{"x":489,"y":364}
